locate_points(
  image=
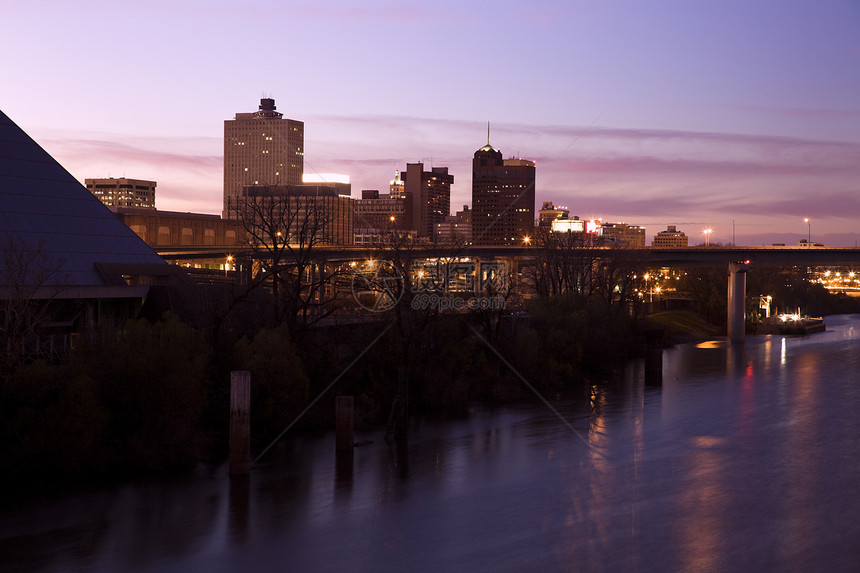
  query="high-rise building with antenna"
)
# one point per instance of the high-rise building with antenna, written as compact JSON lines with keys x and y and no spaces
{"x":503,"y":197}
{"x":261,"y":148}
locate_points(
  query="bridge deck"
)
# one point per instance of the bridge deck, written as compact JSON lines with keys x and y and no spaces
{"x":813,"y":256}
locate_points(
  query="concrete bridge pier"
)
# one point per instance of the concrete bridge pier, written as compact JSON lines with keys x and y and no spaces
{"x":737,"y":301}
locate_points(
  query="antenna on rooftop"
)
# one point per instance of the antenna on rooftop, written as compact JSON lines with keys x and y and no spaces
{"x":488,"y":133}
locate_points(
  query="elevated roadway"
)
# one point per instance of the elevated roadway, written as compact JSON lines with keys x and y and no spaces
{"x":737,"y":259}
{"x":812,"y":256}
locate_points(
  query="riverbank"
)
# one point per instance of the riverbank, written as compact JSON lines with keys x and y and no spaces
{"x":154,"y":401}
{"x":681,"y":326}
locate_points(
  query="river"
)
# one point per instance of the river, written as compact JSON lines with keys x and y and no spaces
{"x":746,"y":459}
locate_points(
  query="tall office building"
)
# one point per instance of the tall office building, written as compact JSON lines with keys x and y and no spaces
{"x":428,"y":197}
{"x":261,"y":149}
{"x":503,"y":198}
{"x":123,"y":192}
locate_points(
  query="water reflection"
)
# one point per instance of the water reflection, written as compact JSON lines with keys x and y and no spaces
{"x":240,"y":509}
{"x":745,"y":459}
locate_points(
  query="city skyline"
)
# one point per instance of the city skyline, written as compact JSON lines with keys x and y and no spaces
{"x":736,"y":117}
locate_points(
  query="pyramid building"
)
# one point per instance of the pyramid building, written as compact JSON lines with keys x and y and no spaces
{"x":50,"y":222}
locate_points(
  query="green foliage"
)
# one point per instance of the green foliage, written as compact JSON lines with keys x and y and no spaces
{"x":131,"y":400}
{"x":151,"y":378}
{"x":572,"y":337}
{"x":708,"y":287}
{"x":50,"y":421}
{"x":279,"y":385}
{"x":450,"y":368}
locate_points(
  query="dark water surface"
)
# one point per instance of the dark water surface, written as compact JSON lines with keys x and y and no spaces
{"x":747,"y":459}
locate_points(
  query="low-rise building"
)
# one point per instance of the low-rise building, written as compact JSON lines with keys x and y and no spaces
{"x":381,"y":211}
{"x":307,"y":212}
{"x":575,"y":225}
{"x":123,"y":192}
{"x":453,"y":230}
{"x":166,"y":229}
{"x":622,"y":233}
{"x":549,"y":213}
{"x":670,"y":238}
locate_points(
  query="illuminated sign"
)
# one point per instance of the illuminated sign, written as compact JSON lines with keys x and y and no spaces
{"x":568,"y":225}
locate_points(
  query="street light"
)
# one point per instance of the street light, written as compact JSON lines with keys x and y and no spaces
{"x":708,"y":237}
{"x":527,"y":240}
{"x":809,"y":232}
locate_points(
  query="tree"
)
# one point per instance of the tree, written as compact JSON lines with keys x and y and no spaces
{"x":614,"y":278}
{"x":284,"y":226}
{"x":708,"y":287}
{"x":582,"y":264}
{"x":563,"y":263}
{"x":31,"y":280}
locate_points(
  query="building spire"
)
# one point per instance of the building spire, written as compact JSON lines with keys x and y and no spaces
{"x":488,"y":133}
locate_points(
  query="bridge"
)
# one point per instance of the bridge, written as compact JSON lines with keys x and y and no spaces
{"x":738,"y":260}
{"x":689,"y":256}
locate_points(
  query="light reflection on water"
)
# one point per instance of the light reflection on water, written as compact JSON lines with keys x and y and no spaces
{"x":745,"y":459}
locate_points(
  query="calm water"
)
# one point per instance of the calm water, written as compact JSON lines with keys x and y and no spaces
{"x":747,"y":459}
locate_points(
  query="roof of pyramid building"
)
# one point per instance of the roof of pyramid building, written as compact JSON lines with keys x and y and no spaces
{"x":44,"y":209}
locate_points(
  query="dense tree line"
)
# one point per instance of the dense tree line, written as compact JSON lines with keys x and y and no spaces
{"x":153,"y":396}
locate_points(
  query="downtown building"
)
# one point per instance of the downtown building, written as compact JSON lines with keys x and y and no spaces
{"x":261,"y":148}
{"x":379,"y":211}
{"x":94,"y":270}
{"x":549,"y":213}
{"x":427,"y":197}
{"x":123,"y":192}
{"x":503,"y":198}
{"x":623,"y":234}
{"x":306,"y":214}
{"x":671,"y":238}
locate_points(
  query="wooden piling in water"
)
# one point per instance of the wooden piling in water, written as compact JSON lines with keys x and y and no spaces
{"x":240,"y":422}
{"x":344,"y":423}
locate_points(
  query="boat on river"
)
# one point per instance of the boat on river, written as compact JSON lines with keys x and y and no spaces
{"x":791,"y":324}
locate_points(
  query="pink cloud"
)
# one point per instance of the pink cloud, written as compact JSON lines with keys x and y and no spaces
{"x":629,"y":174}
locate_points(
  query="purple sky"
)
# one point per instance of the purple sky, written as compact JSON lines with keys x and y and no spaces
{"x":668,"y":112}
